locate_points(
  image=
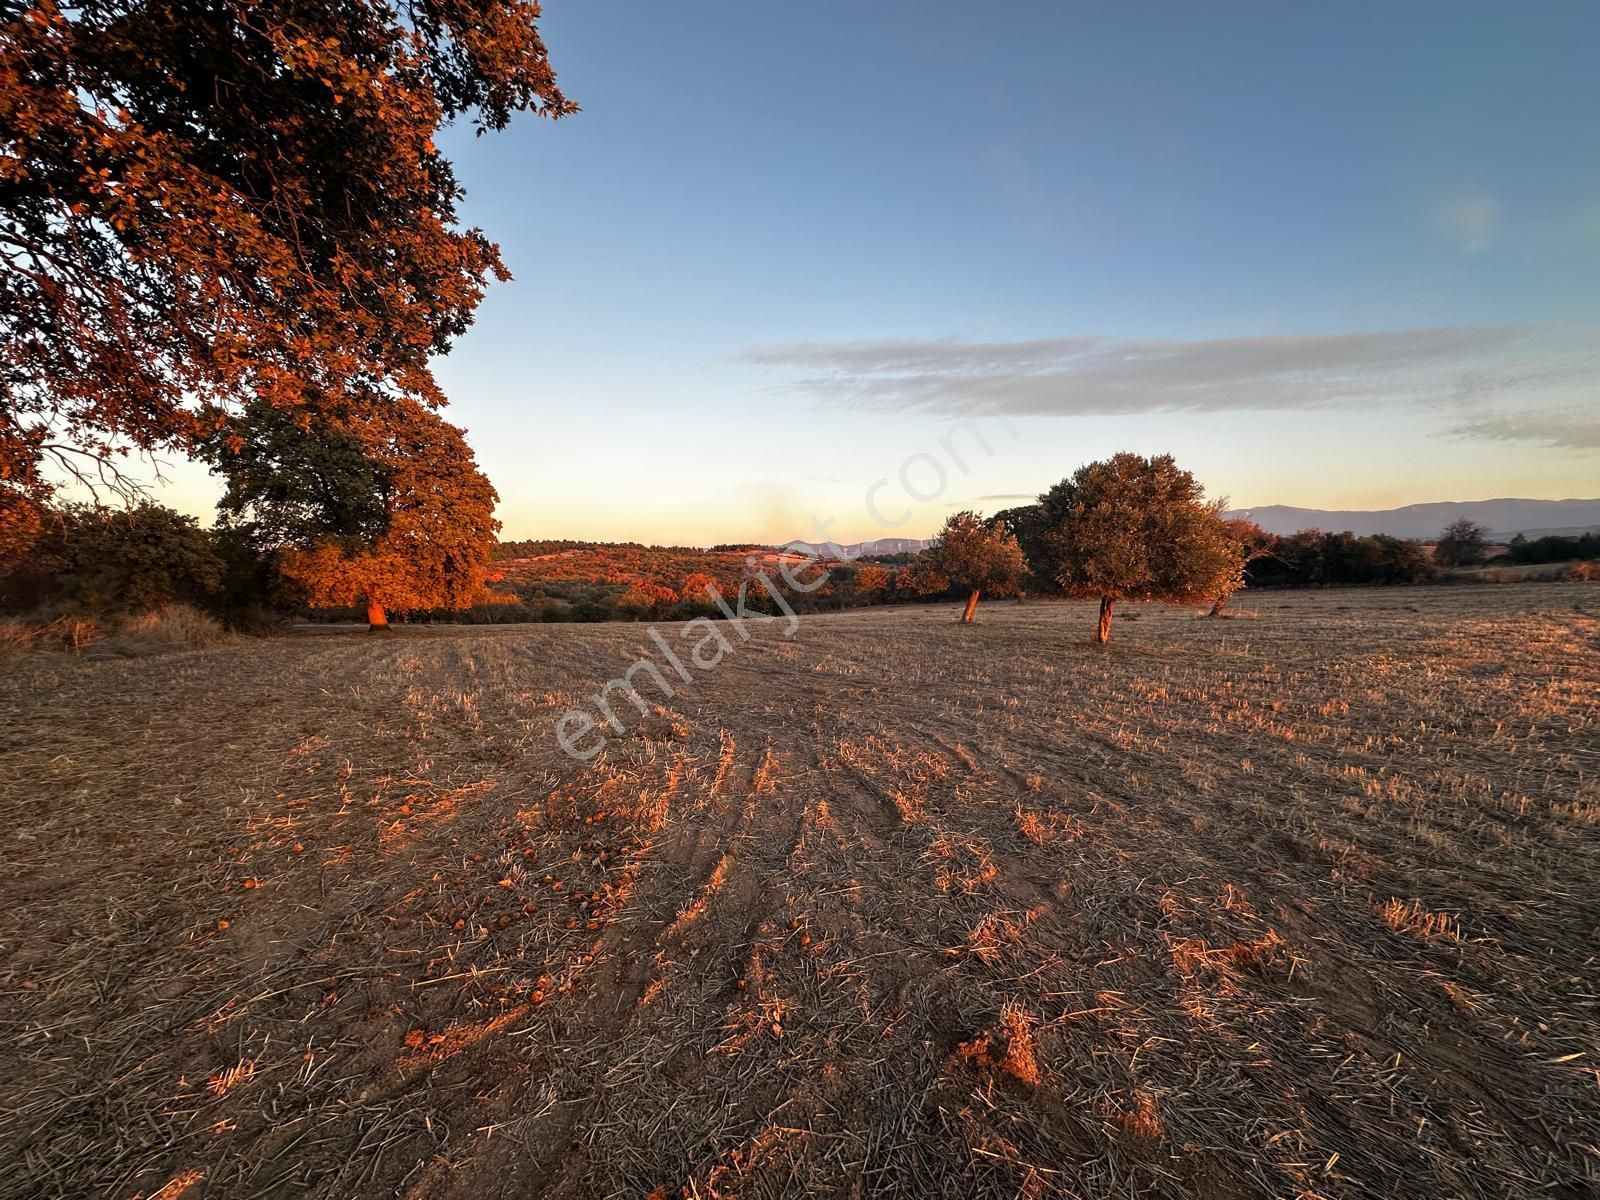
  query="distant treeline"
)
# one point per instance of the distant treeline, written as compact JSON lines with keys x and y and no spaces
{"x":539,"y":547}
{"x":1313,"y":558}
{"x":102,"y":565}
{"x":1554,"y":548}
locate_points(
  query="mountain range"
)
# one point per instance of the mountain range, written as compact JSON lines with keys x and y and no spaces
{"x":1503,"y":518}
{"x":860,"y":549}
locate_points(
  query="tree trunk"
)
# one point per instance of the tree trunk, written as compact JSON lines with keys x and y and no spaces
{"x":1220,"y":604}
{"x":1104,"y":632}
{"x":377,"y":622}
{"x":972,"y":606}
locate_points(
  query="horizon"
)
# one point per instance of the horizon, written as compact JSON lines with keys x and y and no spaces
{"x":1326,"y":261}
{"x":1250,"y":510}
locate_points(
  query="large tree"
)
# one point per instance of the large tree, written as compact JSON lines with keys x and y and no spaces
{"x":1133,"y":528}
{"x":381,"y":505}
{"x":205,"y":203}
{"x":977,"y":555}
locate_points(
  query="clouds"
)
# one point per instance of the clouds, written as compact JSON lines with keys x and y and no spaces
{"x":1469,"y":366}
{"x":1564,"y":430}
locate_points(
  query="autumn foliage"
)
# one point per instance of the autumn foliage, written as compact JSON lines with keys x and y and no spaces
{"x":207,"y":205}
{"x":383,"y":506}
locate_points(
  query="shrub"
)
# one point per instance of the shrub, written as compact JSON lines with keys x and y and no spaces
{"x":105,"y":561}
{"x":1554,"y":548}
{"x":20,"y":635}
{"x":171,"y":627}
{"x":16,"y":637}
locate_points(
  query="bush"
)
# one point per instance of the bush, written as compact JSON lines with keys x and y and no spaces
{"x":1313,"y":557}
{"x":16,"y":637}
{"x":174,"y":626}
{"x":1554,"y":548}
{"x":25,"y":635}
{"x":100,"y":561}
{"x":70,"y":632}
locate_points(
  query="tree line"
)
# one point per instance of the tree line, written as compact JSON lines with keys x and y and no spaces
{"x":1099,"y":534}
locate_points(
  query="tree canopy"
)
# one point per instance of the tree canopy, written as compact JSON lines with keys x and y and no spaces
{"x":1253,"y":542}
{"x":1133,"y":528}
{"x":1462,"y":543}
{"x":208,"y":204}
{"x":979,"y":556}
{"x":379,"y":505}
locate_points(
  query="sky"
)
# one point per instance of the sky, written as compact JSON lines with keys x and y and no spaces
{"x":835,"y":270}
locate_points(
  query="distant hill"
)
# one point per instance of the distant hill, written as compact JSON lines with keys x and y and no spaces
{"x":1500,"y":517}
{"x":860,"y":549}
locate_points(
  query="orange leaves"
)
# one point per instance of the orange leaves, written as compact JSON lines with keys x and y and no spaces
{"x":172,"y":270}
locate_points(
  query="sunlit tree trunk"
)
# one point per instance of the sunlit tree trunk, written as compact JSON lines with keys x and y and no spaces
{"x":377,"y":621}
{"x":1104,"y":632}
{"x":972,"y":606}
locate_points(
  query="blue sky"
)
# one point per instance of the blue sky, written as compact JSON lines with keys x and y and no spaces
{"x":1328,"y":255}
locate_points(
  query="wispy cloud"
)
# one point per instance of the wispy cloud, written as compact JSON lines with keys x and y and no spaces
{"x":1471,"y":220}
{"x":1564,"y":430}
{"x":1471,"y":366}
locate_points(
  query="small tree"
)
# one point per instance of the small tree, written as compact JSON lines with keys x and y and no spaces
{"x":696,"y":592}
{"x":382,"y":506}
{"x":1461,"y":544}
{"x":979,"y":556}
{"x":1026,"y":522}
{"x":872,"y":581}
{"x":920,"y":577}
{"x":1133,"y":528}
{"x":646,"y":598}
{"x":1254,"y":543}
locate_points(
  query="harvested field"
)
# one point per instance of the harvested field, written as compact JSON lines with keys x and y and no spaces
{"x":1300,"y":903}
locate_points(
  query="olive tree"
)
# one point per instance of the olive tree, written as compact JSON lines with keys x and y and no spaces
{"x":1133,"y":528}
{"x":977,"y":555}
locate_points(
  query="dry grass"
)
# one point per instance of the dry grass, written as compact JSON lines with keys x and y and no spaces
{"x":173,"y":627}
{"x":1303,"y":905}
